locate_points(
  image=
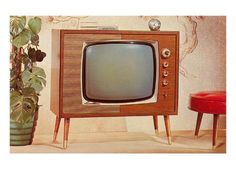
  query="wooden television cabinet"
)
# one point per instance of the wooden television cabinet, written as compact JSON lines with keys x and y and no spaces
{"x":66,"y":98}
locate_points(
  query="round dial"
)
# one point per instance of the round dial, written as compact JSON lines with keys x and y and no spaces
{"x":165,"y":53}
{"x":165,"y":82}
{"x":165,"y":64}
{"x":165,"y":73}
{"x":154,"y":24}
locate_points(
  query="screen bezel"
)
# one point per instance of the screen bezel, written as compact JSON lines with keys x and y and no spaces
{"x":124,"y":100}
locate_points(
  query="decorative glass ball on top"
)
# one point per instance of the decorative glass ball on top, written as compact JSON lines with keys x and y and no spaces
{"x":154,"y":24}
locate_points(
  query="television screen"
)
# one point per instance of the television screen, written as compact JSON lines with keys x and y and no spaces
{"x":118,"y":72}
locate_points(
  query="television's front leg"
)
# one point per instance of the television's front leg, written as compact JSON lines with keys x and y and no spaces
{"x":57,"y":125}
{"x":155,"y":121}
{"x":167,"y":125}
{"x":66,"y":132}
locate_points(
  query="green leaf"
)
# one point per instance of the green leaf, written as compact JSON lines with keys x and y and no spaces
{"x":37,"y":85}
{"x":22,"y":39}
{"x":23,"y":106}
{"x":38,"y":71}
{"x":42,"y":80}
{"x":14,"y":98}
{"x":34,"y":79}
{"x":35,"y":25}
{"x":26,"y":76}
{"x":30,"y":93}
{"x":17,"y":24}
{"x":24,"y":111}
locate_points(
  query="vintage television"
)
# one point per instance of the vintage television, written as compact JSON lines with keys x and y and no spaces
{"x":111,"y":73}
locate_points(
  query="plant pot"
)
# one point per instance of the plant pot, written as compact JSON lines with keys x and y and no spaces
{"x":23,"y":134}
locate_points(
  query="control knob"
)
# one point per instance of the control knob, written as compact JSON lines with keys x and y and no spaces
{"x":165,"y":64}
{"x":165,"y":53}
{"x":165,"y":82}
{"x":165,"y":73}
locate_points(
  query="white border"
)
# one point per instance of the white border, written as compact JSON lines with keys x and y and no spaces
{"x":39,"y":165}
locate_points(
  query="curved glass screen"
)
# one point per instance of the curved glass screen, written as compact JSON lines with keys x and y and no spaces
{"x":118,"y":72}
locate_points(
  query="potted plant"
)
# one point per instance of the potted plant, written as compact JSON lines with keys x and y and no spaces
{"x":26,"y":78}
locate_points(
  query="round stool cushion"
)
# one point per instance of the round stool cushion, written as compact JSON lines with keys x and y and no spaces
{"x":213,"y":102}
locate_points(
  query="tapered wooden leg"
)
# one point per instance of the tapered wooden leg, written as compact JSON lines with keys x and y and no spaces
{"x":199,"y":120}
{"x":215,"y":127}
{"x":66,"y":132}
{"x":155,"y":121}
{"x":57,"y":125}
{"x":167,"y":125}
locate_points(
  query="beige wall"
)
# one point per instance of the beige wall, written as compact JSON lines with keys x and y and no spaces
{"x":203,"y":62}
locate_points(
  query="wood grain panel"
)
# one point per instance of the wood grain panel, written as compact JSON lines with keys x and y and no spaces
{"x":55,"y":72}
{"x":72,"y":100}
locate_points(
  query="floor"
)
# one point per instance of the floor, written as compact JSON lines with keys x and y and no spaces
{"x":124,"y":142}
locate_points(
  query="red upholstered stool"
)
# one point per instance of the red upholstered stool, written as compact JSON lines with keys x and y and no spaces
{"x":211,"y":102}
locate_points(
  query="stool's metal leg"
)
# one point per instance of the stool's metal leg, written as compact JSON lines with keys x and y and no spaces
{"x":167,"y":125}
{"x":215,"y":127}
{"x":199,"y":120}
